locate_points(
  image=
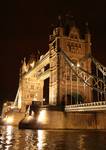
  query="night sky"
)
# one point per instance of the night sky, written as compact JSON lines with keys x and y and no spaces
{"x":24,"y":29}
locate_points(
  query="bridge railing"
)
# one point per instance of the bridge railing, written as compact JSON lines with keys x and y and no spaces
{"x":101,"y":105}
{"x":89,"y":104}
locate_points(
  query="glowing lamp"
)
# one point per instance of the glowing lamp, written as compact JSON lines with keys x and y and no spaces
{"x":9,"y":120}
{"x":42,"y":118}
{"x":78,"y":65}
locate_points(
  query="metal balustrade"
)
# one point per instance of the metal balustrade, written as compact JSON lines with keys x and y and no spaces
{"x":94,"y":106}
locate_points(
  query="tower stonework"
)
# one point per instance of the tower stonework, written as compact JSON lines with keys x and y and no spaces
{"x":63,"y":83}
{"x":32,"y":81}
{"x":51,"y":80}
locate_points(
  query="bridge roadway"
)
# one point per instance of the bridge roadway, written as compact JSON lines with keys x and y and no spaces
{"x":94,"y":106}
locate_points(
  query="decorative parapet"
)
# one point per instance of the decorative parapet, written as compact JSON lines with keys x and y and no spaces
{"x":94,"y":106}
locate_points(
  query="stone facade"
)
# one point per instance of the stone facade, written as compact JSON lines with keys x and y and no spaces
{"x":62,"y":82}
{"x":32,"y":81}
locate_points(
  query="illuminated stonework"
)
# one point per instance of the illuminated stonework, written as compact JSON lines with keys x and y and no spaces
{"x":50,"y":80}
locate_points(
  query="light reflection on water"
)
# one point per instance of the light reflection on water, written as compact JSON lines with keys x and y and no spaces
{"x":11,"y":138}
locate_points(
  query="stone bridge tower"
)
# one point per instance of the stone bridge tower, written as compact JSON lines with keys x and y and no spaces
{"x":67,"y":37}
{"x":50,"y":78}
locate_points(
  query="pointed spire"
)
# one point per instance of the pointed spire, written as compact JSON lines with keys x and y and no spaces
{"x":69,"y":20}
{"x":88,"y":37}
{"x":60,"y":21}
{"x":24,"y":66}
{"x":87,"y":28}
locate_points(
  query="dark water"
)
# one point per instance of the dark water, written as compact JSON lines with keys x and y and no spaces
{"x":14,"y":139}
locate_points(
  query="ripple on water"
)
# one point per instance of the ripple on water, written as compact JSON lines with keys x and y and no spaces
{"x":11,"y":138}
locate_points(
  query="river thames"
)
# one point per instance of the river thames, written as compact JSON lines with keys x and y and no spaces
{"x":11,"y":138}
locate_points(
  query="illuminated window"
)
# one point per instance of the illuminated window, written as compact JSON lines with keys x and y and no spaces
{"x":32,"y":86}
{"x":31,"y":95}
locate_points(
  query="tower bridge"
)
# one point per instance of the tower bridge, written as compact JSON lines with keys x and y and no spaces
{"x":64,"y":75}
{"x":67,"y":83}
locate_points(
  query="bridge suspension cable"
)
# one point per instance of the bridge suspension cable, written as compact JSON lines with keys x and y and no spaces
{"x":99,"y":66}
{"x":17,"y":102}
{"x":87,"y":78}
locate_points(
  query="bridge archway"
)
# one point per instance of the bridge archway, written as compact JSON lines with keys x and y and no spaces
{"x":71,"y":99}
{"x":46,"y":91}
